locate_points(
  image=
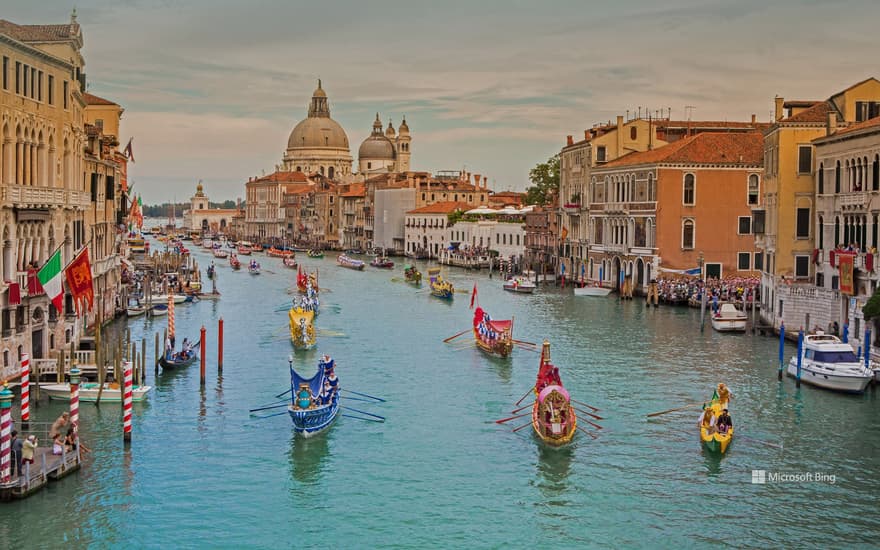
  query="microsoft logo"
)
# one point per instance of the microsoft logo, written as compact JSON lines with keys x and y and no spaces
{"x":759,"y":477}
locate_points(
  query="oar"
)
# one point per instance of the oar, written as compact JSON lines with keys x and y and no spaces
{"x":364,"y":395}
{"x":594,"y":409}
{"x":274,"y":403}
{"x":522,"y":408}
{"x":270,"y":415}
{"x":521,"y":427}
{"x":524,"y":342}
{"x":774,"y":445}
{"x":596,"y":416}
{"x":360,"y":418}
{"x":348,"y":398}
{"x":503,"y":420}
{"x":364,"y":412}
{"x":524,"y":396}
{"x":587,"y":432}
{"x":593,"y":424}
{"x":266,"y":408}
{"x":673,"y":410}
{"x":456,"y":336}
{"x":462,"y":291}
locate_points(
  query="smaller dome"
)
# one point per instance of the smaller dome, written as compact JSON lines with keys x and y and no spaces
{"x":390,"y":130}
{"x":319,"y":92}
{"x":200,"y":191}
{"x":376,"y":147}
{"x":403,"y":129}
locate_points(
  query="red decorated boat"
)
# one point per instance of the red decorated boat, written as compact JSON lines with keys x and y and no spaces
{"x":279,"y":253}
{"x":303,"y":281}
{"x":554,"y":419}
{"x":491,"y":335}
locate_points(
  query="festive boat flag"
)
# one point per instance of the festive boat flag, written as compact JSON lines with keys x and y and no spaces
{"x":474,"y":295}
{"x":79,"y":280}
{"x":50,"y":277}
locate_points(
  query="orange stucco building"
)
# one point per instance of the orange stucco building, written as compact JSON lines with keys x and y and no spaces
{"x":668,"y":208}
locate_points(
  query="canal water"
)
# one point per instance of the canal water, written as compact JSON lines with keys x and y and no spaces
{"x":202,"y":472}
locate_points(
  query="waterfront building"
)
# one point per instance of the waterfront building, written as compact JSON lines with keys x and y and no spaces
{"x":425,"y":231}
{"x":352,"y":203}
{"x":265,"y":211}
{"x":506,"y":198}
{"x":502,"y":233}
{"x":542,"y":240}
{"x":787,"y":222}
{"x":201,"y":217}
{"x":681,"y":206}
{"x":61,"y":180}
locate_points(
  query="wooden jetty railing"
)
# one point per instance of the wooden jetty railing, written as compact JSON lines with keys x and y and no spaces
{"x":46,"y":466}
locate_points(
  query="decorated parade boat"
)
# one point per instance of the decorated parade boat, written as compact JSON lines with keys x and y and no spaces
{"x":314,"y":402}
{"x":350,"y":263}
{"x":554,"y":419}
{"x":828,"y":363}
{"x":493,"y":336}
{"x":254,"y":267}
{"x":304,"y":282}
{"x":439,"y":287}
{"x":715,"y":438}
{"x":315,"y":253}
{"x":290,"y":261}
{"x":302,"y":329}
{"x":279,"y":253}
{"x":382,"y":262}
{"x":412,"y":275}
{"x":234,"y":262}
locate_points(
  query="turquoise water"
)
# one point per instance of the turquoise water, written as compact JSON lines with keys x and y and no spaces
{"x":201,"y":472}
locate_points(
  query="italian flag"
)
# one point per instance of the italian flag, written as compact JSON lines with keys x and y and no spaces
{"x":50,"y":278}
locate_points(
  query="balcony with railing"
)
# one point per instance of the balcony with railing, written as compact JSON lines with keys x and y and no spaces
{"x":22,"y":196}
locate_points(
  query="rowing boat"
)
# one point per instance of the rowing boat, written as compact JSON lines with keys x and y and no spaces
{"x":440,"y":288}
{"x":554,"y":420}
{"x":493,"y":336}
{"x":314,"y":402}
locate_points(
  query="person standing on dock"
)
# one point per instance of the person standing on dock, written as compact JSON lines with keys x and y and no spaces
{"x":17,"y":445}
{"x":59,"y":424}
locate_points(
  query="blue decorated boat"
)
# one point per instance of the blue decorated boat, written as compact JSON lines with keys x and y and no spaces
{"x":314,"y":401}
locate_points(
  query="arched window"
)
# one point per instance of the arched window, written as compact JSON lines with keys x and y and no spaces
{"x":689,"y":195}
{"x":633,"y":133}
{"x":837,"y":178}
{"x":875,"y":174}
{"x":330,"y":172}
{"x":754,"y":189}
{"x":652,"y":189}
{"x":369,"y":165}
{"x":836,"y":232}
{"x":299,"y":168}
{"x":821,"y":189}
{"x":821,"y":233}
{"x":687,"y":234}
{"x":322,"y":170}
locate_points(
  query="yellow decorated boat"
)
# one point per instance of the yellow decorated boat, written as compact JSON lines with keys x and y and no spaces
{"x":712,"y":439}
{"x":302,"y":328}
{"x":440,"y":288}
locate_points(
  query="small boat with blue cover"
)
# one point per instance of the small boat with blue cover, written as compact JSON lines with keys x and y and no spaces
{"x":314,"y":401}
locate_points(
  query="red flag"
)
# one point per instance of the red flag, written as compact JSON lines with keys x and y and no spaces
{"x":15,"y":293}
{"x":79,"y":281}
{"x":473,"y":295}
{"x":33,"y":283}
{"x":128,"y":152}
{"x":845,"y":266}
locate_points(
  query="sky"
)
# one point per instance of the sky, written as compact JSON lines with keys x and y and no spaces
{"x":212,"y":88}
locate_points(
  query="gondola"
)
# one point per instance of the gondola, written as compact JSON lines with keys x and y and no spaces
{"x":314,"y":402}
{"x":179,"y":360}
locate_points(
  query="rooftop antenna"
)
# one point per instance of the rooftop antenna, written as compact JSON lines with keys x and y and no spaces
{"x":689,"y":109}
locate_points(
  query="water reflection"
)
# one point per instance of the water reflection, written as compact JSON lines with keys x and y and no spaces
{"x":554,"y":467}
{"x":712,"y":461}
{"x":307,"y":457}
{"x":203,"y":412}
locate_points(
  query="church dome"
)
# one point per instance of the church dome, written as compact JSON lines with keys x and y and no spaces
{"x":318,"y":130}
{"x":404,"y":127}
{"x":376,"y":146}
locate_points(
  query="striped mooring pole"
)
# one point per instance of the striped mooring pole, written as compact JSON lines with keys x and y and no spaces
{"x":74,"y":399}
{"x":5,"y":435}
{"x":25,"y":390}
{"x":126,"y":402}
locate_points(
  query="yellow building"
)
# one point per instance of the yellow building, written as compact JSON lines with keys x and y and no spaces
{"x":786,"y":238}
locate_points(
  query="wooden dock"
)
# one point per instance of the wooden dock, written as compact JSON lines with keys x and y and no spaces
{"x":46,"y":467}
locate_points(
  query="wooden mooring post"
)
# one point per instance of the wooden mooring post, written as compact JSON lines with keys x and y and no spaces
{"x":203,"y":347}
{"x":220,"y":345}
{"x":156,"y":357}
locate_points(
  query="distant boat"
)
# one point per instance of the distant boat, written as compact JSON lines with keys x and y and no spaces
{"x":88,"y":392}
{"x":729,"y":319}
{"x":520,"y":285}
{"x":591,"y":290}
{"x":350,"y":263}
{"x":135,"y":311}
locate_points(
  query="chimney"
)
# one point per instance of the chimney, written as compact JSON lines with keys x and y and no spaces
{"x":619,"y":122}
{"x":832,"y":123}
{"x":586,"y":134}
{"x":779,"y":109}
{"x":485,"y":182}
{"x":477,"y":180}
{"x":569,"y":140}
{"x":619,"y":135}
{"x":753,"y":118}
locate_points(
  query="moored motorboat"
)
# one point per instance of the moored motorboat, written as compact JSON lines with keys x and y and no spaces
{"x":520,"y":285}
{"x":493,"y":336}
{"x":135,"y":311}
{"x":88,"y":392}
{"x":159,"y":309}
{"x":828,"y":363}
{"x":314,"y":402}
{"x":440,"y":288}
{"x":554,"y":420}
{"x":350,"y":263}
{"x":729,"y":319}
{"x":591,"y":290}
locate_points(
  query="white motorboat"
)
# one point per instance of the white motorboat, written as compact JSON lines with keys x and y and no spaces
{"x":729,"y":319}
{"x":88,"y":392}
{"x":829,"y":363}
{"x":590,"y":290}
{"x":519,"y":285}
{"x":134,"y":311}
{"x":180,"y":298}
{"x":159,"y":309}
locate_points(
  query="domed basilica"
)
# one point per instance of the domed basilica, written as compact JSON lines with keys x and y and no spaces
{"x":319,"y":144}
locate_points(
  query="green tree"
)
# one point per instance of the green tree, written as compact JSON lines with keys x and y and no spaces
{"x":545,"y":182}
{"x":454,"y":217}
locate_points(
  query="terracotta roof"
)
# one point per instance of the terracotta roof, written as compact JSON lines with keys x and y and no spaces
{"x":511,"y":194}
{"x":817,"y":113}
{"x":698,"y":124}
{"x":282,"y":177}
{"x":298,"y":188}
{"x":38,"y":33}
{"x":442,"y":208}
{"x":355,"y":190}
{"x":745,"y":148}
{"x":864,"y":125}
{"x":91,"y":99}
